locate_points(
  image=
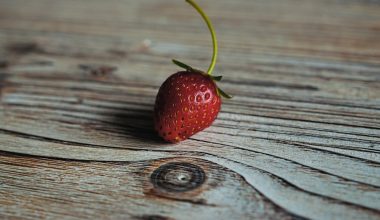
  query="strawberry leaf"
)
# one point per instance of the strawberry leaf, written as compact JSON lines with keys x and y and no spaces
{"x":216,"y":78}
{"x":222,"y":93}
{"x":182,"y":65}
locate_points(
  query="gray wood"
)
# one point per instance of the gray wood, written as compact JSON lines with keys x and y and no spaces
{"x":300,"y":138}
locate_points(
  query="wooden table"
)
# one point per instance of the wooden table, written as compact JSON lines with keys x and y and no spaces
{"x":300,"y":139}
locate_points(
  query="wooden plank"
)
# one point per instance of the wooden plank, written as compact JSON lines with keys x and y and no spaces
{"x":300,"y":138}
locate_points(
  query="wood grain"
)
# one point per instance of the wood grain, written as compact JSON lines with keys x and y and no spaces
{"x":300,"y":139}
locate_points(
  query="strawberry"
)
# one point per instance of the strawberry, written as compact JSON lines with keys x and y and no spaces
{"x":188,"y":101}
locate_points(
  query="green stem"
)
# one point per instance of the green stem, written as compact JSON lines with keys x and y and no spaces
{"x":209,"y":25}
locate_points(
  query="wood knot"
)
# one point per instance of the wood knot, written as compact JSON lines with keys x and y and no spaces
{"x":24,"y":48}
{"x":178,"y":177}
{"x":152,"y":217}
{"x":97,"y":70}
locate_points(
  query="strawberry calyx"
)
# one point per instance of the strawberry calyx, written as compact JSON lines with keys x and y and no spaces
{"x":188,"y":68}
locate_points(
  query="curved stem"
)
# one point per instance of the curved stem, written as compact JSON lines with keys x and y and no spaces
{"x":209,"y":25}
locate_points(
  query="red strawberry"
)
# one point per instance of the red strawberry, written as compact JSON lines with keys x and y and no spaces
{"x":188,"y":101}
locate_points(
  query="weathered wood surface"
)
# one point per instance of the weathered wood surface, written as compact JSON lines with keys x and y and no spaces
{"x":300,"y":139}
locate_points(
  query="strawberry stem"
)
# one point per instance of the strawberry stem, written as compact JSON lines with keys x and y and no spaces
{"x":210,"y":27}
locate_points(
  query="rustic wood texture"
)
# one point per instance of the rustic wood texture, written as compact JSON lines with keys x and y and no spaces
{"x":300,"y":138}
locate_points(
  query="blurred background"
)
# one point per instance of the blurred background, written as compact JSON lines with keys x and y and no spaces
{"x":258,"y":39}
